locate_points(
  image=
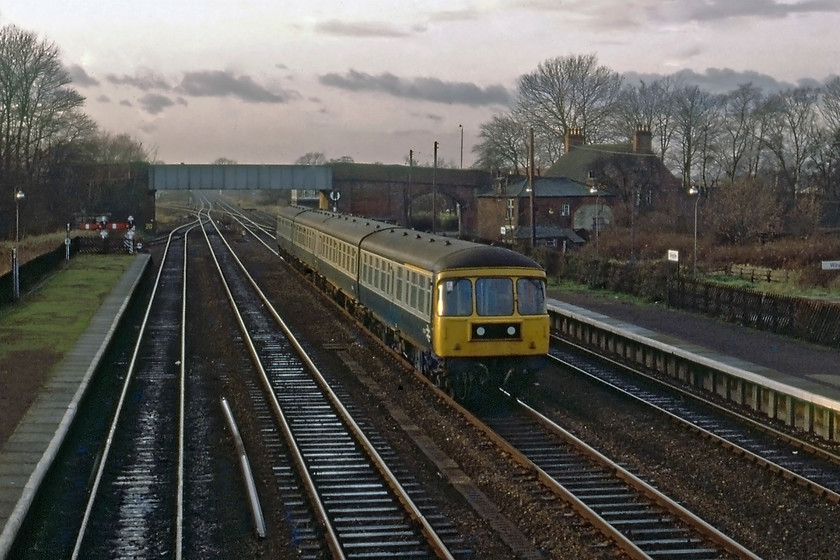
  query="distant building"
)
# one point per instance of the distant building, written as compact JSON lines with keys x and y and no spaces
{"x":561,"y":211}
{"x":627,"y":177}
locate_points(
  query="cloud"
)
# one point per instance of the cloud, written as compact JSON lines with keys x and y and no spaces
{"x":610,"y":14}
{"x":427,"y":89}
{"x":360,"y":29}
{"x":154,"y":103}
{"x":144,"y":79}
{"x":216,"y":83}
{"x":80,"y":77}
{"x":715,"y":80}
{"x":715,"y":10}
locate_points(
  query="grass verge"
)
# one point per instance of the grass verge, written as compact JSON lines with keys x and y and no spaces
{"x":55,"y":315}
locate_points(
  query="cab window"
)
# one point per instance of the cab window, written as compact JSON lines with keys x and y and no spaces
{"x":455,"y":298}
{"x":494,"y":296}
{"x":530,"y":296}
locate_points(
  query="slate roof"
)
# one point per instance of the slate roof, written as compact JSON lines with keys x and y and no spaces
{"x":547,"y":232}
{"x":578,"y":161}
{"x":581,"y":159}
{"x":545,"y":187}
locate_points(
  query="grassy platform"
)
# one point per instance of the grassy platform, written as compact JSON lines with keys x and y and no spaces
{"x":52,"y":317}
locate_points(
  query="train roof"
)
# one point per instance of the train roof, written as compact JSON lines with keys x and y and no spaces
{"x":437,"y":253}
{"x":423,"y":250}
{"x":351,"y":229}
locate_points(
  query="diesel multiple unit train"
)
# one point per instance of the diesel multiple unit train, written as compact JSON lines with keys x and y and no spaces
{"x":465,"y":314}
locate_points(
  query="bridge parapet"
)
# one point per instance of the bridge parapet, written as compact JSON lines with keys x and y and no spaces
{"x":240,"y":177}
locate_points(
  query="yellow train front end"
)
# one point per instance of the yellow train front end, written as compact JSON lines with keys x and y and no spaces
{"x":490,"y":325}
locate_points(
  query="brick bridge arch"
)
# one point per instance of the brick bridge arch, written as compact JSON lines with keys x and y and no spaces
{"x":391,"y":192}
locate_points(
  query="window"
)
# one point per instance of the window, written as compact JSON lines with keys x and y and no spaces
{"x":455,"y":298}
{"x":511,"y":209}
{"x":494,"y":296}
{"x":530,"y":294}
{"x":565,"y":210}
{"x":399,"y":291}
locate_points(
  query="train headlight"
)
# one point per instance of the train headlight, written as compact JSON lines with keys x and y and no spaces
{"x":496,"y":331}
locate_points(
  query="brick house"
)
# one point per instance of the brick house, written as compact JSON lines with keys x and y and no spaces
{"x":629,"y":177}
{"x":591,"y":184}
{"x":505,"y":211}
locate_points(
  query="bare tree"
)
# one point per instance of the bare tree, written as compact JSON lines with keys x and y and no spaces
{"x":830,"y":104}
{"x":312,"y":158}
{"x":740,"y":126}
{"x":650,"y":105}
{"x":826,"y":164}
{"x":792,"y":134}
{"x":120,"y":148}
{"x":35,"y":104}
{"x":693,"y":120}
{"x":502,"y":144}
{"x":570,"y":92}
{"x":733,"y":221}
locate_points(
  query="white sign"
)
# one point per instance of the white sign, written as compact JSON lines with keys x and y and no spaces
{"x":673,"y":256}
{"x":831,"y":265}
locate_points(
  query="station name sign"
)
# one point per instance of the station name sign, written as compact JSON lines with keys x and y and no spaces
{"x":831,"y":265}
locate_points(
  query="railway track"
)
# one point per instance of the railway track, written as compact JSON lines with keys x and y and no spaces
{"x":780,"y":452}
{"x":340,"y":477}
{"x":643,"y":522}
{"x":280,"y":388}
{"x":136,"y":499}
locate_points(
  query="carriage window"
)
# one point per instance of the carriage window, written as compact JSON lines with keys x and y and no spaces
{"x":455,"y":299}
{"x":494,"y":296}
{"x":399,"y":290}
{"x":530,"y":293}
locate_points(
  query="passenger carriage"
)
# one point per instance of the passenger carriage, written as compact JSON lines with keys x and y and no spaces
{"x":464,"y":313}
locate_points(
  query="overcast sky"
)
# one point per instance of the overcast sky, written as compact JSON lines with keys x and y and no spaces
{"x":266,"y":81}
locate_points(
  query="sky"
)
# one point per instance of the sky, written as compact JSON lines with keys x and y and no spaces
{"x":267,"y":81}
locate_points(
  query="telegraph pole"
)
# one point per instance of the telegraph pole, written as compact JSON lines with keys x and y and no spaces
{"x":434,"y":190}
{"x":531,"y":187}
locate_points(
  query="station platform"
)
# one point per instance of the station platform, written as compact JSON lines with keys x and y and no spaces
{"x":28,"y":454}
{"x":789,"y":380}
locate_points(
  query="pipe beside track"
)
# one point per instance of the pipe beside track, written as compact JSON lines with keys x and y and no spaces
{"x":247,"y":475}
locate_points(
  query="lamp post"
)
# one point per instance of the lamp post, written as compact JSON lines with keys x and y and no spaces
{"x":694,"y":191}
{"x":594,"y":190}
{"x":532,"y":188}
{"x":633,"y":224}
{"x":462,"y":145}
{"x":15,"y":268}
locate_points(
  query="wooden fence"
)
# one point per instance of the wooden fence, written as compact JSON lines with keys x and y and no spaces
{"x":758,"y":273}
{"x":38,"y":268}
{"x":808,"y":319}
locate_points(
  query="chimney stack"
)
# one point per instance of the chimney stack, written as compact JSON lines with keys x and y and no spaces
{"x":573,"y":137}
{"x":642,"y":139}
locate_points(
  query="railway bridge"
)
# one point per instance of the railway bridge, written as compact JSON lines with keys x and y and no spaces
{"x":395,"y":193}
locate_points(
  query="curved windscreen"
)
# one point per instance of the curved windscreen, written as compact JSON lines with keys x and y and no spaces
{"x":530,"y":296}
{"x":455,"y":298}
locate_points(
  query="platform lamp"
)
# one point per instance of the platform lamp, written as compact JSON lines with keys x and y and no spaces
{"x":694,"y":191}
{"x":462,"y":145}
{"x":593,"y":189}
{"x":15,"y":268}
